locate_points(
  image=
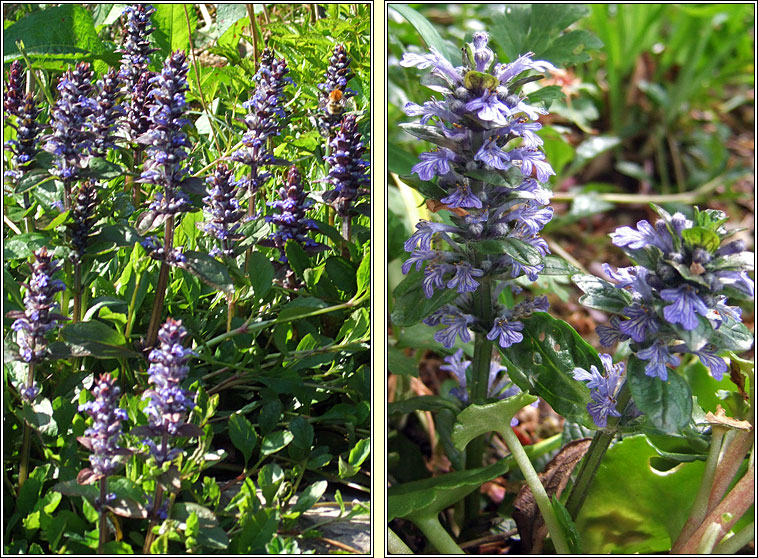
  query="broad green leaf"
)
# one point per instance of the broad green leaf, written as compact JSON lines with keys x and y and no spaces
{"x":475,"y":420}
{"x":557,"y":266}
{"x":210,"y":533}
{"x":429,"y":189}
{"x":431,"y":496}
{"x":363,"y":276}
{"x":300,"y":307}
{"x":360,"y":452}
{"x":310,"y":496}
{"x":302,"y":432}
{"x":262,"y":276}
{"x":412,"y":305}
{"x":209,"y":270}
{"x":275,"y":442}
{"x":270,"y":479}
{"x":297,"y":258}
{"x":700,"y":236}
{"x":56,"y":37}
{"x":96,"y":339}
{"x":242,"y":435}
{"x":401,"y":364}
{"x":612,"y":521}
{"x":22,"y":246}
{"x":522,"y":252}
{"x":601,"y":294}
{"x":171,"y":31}
{"x":257,"y":529}
{"x":427,"y":31}
{"x":543,"y":362}
{"x":732,"y":336}
{"x":668,"y":405}
{"x":342,"y":274}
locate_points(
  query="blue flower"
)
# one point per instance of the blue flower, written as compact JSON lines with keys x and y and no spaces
{"x":457,"y":325}
{"x":348,"y":172}
{"x":14,"y":89}
{"x":489,"y":108}
{"x":641,"y":322}
{"x":434,"y":277}
{"x":686,"y":304}
{"x":463,"y":280}
{"x":222,"y":209}
{"x":433,"y":163}
{"x":425,"y":231}
{"x":603,"y":388}
{"x":506,"y":332}
{"x":659,"y":356}
{"x":462,"y":197}
{"x":490,"y":154}
{"x":455,"y":365}
{"x":533,"y":161}
{"x":418,"y":257}
{"x":611,"y":334}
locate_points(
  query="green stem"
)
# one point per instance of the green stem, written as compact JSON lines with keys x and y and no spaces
{"x":157,"y":501}
{"x":395,"y":544}
{"x":437,"y":535}
{"x":77,"y":292}
{"x":538,"y":491}
{"x":160,"y":288}
{"x":700,"y":507}
{"x":132,"y":302}
{"x":637,"y":199}
{"x":23,"y":469}
{"x":736,"y":542}
{"x":102,"y":528}
{"x":480,"y":373}
{"x":595,"y":454}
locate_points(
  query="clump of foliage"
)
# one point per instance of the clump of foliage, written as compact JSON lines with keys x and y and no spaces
{"x":217,"y":383}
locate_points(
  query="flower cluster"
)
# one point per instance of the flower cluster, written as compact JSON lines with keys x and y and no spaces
{"x":169,"y":402}
{"x":102,"y":437}
{"x":106,"y":113}
{"x":348,"y":172}
{"x":71,"y":138}
{"x":604,"y":388}
{"x":135,"y":49}
{"x":263,"y":119}
{"x":290,"y":220}
{"x":222,"y":209}
{"x":334,"y":90}
{"x":24,"y":147}
{"x":499,"y":386}
{"x":157,"y":251}
{"x":491,"y":190}
{"x":165,"y":139}
{"x":38,"y":317}
{"x":82,"y":218}
{"x":679,"y":290}
{"x":14,"y":89}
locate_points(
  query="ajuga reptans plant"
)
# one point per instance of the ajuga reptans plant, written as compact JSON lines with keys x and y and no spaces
{"x":334,"y":91}
{"x":483,"y":129}
{"x":222,"y":210}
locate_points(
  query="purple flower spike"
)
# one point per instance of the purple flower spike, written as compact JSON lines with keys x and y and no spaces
{"x":348,"y":172}
{"x":107,"y":111}
{"x":169,"y":402}
{"x":222,"y":209}
{"x":38,"y":318}
{"x":14,"y":89}
{"x":290,"y":221}
{"x":165,"y":139}
{"x":334,"y":91}
{"x":102,"y":437}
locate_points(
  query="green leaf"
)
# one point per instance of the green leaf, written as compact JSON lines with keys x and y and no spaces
{"x":522,"y":252}
{"x":209,"y":270}
{"x":262,"y":276}
{"x":557,"y":266}
{"x":401,"y":364}
{"x":171,"y":31}
{"x":427,"y":188}
{"x":297,"y":258}
{"x":421,"y":403}
{"x":611,"y":521}
{"x":342,"y":274}
{"x":428,"y":133}
{"x":275,"y":442}
{"x":360,"y":452}
{"x":270,"y":479}
{"x":96,"y":339}
{"x":363,"y":276}
{"x":411,"y":304}
{"x":242,"y":435}
{"x":427,"y":31}
{"x":601,"y":294}
{"x":732,"y":336}
{"x":56,"y":221}
{"x":475,"y":420}
{"x":430,"y":496}
{"x":257,"y":529}
{"x":543,"y":363}
{"x":300,"y":307}
{"x":210,"y":533}
{"x":22,"y":246}
{"x":302,"y":432}
{"x":700,"y":236}
{"x":310,"y":496}
{"x":573,"y":538}
{"x":668,"y":405}
{"x":55,"y":37}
